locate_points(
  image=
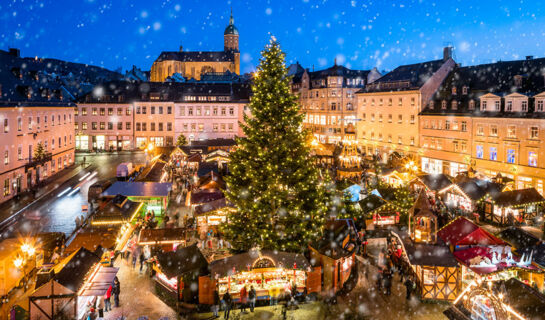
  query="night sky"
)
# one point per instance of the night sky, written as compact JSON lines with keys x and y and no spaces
{"x":361,"y":34}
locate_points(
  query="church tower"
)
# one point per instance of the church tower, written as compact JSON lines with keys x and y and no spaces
{"x":230,"y":42}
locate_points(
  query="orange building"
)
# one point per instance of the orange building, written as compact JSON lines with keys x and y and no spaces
{"x":491,"y":118}
{"x":389,"y":107}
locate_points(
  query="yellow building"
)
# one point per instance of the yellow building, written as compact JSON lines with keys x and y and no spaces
{"x":193,"y":64}
{"x":388,"y":108}
{"x":490,"y":118}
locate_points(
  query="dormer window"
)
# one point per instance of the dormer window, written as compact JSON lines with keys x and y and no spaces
{"x":509,"y":106}
{"x":484,"y":105}
{"x":454,"y":104}
{"x":432,"y":104}
{"x":524,"y":106}
{"x":443,"y":104}
{"x":453,"y":90}
{"x":518,"y":80}
{"x":464,"y":90}
{"x":471,"y":105}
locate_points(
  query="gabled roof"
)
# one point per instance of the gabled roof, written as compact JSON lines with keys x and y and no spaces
{"x":139,"y":189}
{"x":205,"y":196}
{"x":119,"y":208}
{"x":71,"y":271}
{"x":335,"y":232}
{"x":461,"y":231}
{"x":406,"y":77}
{"x":371,"y":203}
{"x":163,"y":234}
{"x":212,"y":206}
{"x":423,"y":254}
{"x":476,"y":189}
{"x":196,"y":56}
{"x":338,"y":71}
{"x":518,"y":197}
{"x":435,"y":181}
{"x":518,"y":238}
{"x":184,"y":259}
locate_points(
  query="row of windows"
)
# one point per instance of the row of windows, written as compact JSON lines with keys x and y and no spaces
{"x":20,"y":152}
{"x":333,"y":106}
{"x":153,"y":126}
{"x":390,"y":118}
{"x":511,"y":105}
{"x":207,"y":98}
{"x":94,"y":126}
{"x":389,"y":102}
{"x":216,"y":127}
{"x":533,"y":131}
{"x":95,"y":111}
{"x":322,"y":94}
{"x":510,"y":155}
{"x":37,"y":123}
{"x":200,"y":111}
{"x":448,"y":125}
{"x":389,"y":139}
{"x":437,"y":143}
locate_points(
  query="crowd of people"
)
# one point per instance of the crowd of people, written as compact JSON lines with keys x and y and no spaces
{"x":102,"y":304}
{"x":391,"y":261}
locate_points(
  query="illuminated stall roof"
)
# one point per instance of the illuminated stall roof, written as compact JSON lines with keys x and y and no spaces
{"x":163,"y":235}
{"x":518,"y":198}
{"x":518,"y":238}
{"x":486,"y":260}
{"x":139,"y":189}
{"x":435,"y":181}
{"x":424,"y":254}
{"x":212,"y":206}
{"x":461,"y":231}
{"x":257,"y":258}
{"x":184,"y":259}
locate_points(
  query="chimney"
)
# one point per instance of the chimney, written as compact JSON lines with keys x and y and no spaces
{"x":15,"y":52}
{"x":447,"y":53}
{"x":181,"y":48}
{"x":529,"y":57}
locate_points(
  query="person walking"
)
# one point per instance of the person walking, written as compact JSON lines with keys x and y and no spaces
{"x":387,"y":281}
{"x":243,"y":299}
{"x":410,"y":285}
{"x":100,"y":307}
{"x":107,"y":301}
{"x":142,"y":259}
{"x":116,"y":290}
{"x":216,"y":305}
{"x":252,"y":296}
{"x":228,"y":301}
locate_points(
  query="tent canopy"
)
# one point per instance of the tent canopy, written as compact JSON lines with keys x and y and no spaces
{"x":99,"y":282}
{"x":461,"y":231}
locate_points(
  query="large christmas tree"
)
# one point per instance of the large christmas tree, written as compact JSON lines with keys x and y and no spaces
{"x":281,"y":202}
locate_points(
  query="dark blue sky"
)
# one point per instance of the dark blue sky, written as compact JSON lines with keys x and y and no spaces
{"x":361,"y":34}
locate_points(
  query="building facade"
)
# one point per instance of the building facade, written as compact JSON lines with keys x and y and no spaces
{"x":328,"y":99}
{"x":158,"y":113}
{"x":193,"y":64}
{"x":495,"y":118}
{"x":389,"y":107}
{"x":34,"y":115}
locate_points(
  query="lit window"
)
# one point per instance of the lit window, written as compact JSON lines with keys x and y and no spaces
{"x":532,"y":159}
{"x":510,"y":155}
{"x":493,"y":153}
{"x":480,"y":152}
{"x":494,"y":130}
{"x":511,"y":131}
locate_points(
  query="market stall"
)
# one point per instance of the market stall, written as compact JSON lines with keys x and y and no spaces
{"x":517,"y":206}
{"x":57,"y":289}
{"x":437,"y":273}
{"x":211,"y":214}
{"x":177,"y":274}
{"x":335,"y":252}
{"x":379,"y":212}
{"x":501,"y":300}
{"x":270,"y":272}
{"x":461,"y":233}
{"x":115,"y":211}
{"x":432,"y":183}
{"x":166,"y":239}
{"x":422,"y":221}
{"x":467,"y":195}
{"x":154,"y":195}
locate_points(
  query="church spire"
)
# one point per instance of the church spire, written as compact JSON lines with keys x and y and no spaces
{"x":231,"y":20}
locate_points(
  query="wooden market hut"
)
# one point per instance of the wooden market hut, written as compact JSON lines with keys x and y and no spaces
{"x":270,"y":272}
{"x":378,"y":211}
{"x":432,"y":183}
{"x":94,"y":238}
{"x":211,"y":180}
{"x":116,"y":211}
{"x":154,"y":195}
{"x":394,"y":176}
{"x":517,"y":206}
{"x":177,"y":274}
{"x":437,"y":273}
{"x":165,"y":239}
{"x":335,"y":252}
{"x":505,"y":299}
{"x":422,"y":220}
{"x":212,"y":214}
{"x":69,"y":286}
{"x":324,"y":153}
{"x":467,"y":194}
